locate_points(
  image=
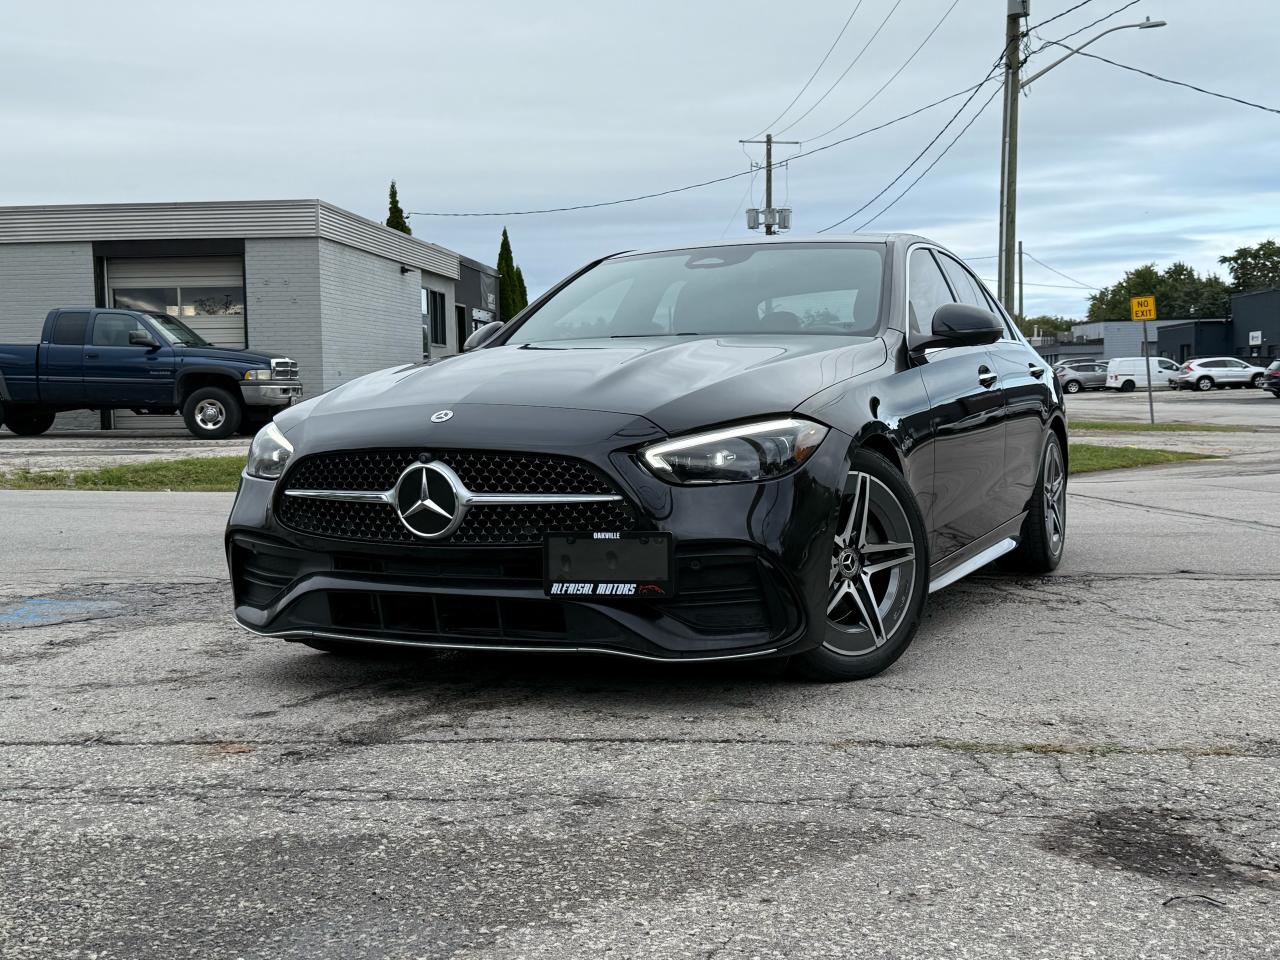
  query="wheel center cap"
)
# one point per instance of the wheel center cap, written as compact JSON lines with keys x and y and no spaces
{"x":850,"y":564}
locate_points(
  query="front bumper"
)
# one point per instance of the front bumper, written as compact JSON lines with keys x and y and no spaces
{"x":270,"y":393}
{"x":751,"y":567}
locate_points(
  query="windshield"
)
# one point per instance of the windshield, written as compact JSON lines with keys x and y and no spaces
{"x":799,"y":288}
{"x":175,"y":331}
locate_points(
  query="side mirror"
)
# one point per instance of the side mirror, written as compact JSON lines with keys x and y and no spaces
{"x":483,"y":335}
{"x":140,"y":338}
{"x":961,"y":325}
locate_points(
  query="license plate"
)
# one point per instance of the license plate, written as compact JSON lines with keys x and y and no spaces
{"x":612,"y":565}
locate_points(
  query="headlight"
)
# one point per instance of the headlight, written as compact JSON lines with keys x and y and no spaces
{"x":257,"y":374}
{"x":268,"y":454}
{"x":752,"y":451}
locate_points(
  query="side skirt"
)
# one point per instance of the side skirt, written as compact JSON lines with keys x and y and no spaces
{"x":976,"y":555}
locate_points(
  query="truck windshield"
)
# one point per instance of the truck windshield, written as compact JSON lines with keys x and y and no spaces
{"x":175,"y":331}
{"x":783,"y":288}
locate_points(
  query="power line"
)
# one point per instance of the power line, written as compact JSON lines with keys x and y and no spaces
{"x":916,"y":159}
{"x":866,"y":103}
{"x":934,"y":163}
{"x":1177,"y":83}
{"x":704,"y":183}
{"x":1059,"y":16}
{"x":813,"y":75}
{"x":1028,"y":283}
{"x":865,"y":47}
{"x":1094,"y":23}
{"x":1059,"y":272}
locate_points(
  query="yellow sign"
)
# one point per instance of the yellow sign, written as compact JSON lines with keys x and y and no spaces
{"x":1142,"y":308}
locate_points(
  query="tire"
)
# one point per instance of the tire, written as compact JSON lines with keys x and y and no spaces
{"x":1127,"y":387}
{"x":1204,"y":383}
{"x":1071,"y":386}
{"x":28,"y":421}
{"x":1044,"y":532}
{"x":1256,"y":382}
{"x":871,"y":615}
{"x":212,"y":413}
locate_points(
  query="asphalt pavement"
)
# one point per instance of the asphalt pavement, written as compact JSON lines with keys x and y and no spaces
{"x":1083,"y":765}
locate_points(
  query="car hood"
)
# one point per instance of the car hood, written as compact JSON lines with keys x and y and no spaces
{"x":676,"y":383}
{"x":213,"y":352}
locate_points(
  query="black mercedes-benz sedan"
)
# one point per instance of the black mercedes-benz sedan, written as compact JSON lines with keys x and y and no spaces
{"x":737,"y":450}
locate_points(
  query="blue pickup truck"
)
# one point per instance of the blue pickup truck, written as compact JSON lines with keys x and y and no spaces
{"x":90,"y":359}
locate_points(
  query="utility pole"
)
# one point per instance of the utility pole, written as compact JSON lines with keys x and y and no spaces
{"x":1021,"y":314}
{"x":775,"y":219}
{"x":1018,"y":10}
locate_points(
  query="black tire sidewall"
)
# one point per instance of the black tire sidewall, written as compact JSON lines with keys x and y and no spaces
{"x":27,"y":422}
{"x":824,"y":664}
{"x":1204,"y":380}
{"x":229,"y":403}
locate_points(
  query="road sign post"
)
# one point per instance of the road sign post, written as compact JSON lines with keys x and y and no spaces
{"x":1144,"y":309}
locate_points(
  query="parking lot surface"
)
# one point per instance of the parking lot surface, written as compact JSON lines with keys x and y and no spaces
{"x":1250,"y":407}
{"x":1076,"y":766}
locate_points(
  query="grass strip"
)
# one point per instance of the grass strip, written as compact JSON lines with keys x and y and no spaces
{"x":1088,"y":457}
{"x":1126,"y":426}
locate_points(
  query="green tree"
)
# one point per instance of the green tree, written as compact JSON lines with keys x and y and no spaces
{"x":523,"y":293}
{"x":1254,"y":268}
{"x":1180,"y":293}
{"x":512,"y":297}
{"x":395,"y":216}
{"x":1044,"y":323}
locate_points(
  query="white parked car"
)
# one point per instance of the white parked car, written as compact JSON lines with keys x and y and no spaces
{"x":1220,"y":372}
{"x":1128,"y":373}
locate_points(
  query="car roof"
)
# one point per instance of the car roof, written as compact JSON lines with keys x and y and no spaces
{"x":851,"y":238}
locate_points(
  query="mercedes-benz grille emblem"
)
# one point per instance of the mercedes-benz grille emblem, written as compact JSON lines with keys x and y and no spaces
{"x":440,"y":416}
{"x":426,"y":497}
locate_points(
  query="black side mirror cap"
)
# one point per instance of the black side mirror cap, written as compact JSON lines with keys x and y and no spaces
{"x":483,"y":335}
{"x":139,"y":339}
{"x":961,"y":325}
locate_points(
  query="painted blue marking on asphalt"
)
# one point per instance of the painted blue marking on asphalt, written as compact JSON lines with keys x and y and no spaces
{"x":43,"y":611}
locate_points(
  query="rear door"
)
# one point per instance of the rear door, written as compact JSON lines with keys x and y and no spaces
{"x":1025,"y":383}
{"x":117,"y":372}
{"x":966,"y":419}
{"x":62,"y":359}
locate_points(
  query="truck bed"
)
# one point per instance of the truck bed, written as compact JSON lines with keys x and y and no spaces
{"x":18,"y":372}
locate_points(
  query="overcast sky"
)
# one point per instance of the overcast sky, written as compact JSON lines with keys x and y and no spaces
{"x":508,"y":105}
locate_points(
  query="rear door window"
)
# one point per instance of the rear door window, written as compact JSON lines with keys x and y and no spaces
{"x":68,"y":328}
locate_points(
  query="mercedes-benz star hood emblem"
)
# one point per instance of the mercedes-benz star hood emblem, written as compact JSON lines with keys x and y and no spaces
{"x":440,"y":416}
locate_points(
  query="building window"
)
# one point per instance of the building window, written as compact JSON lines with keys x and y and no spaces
{"x":219,"y":301}
{"x":435,"y":324}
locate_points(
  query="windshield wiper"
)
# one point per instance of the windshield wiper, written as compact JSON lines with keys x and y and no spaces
{"x":632,"y":336}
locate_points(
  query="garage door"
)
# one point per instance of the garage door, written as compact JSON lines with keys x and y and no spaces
{"x":206,"y":293}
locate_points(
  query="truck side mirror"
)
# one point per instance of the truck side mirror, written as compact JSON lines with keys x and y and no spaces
{"x":483,"y":335}
{"x":140,"y":338}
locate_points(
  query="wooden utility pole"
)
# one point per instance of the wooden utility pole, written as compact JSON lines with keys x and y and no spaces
{"x":772,"y":218}
{"x":1017,"y":12}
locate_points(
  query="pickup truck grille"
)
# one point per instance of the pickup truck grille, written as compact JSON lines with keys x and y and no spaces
{"x":284,"y":369}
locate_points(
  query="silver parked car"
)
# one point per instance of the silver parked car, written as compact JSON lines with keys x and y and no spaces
{"x":1220,"y":372}
{"x":1076,"y":375}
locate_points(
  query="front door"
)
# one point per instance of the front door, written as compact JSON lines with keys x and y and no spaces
{"x":966,"y":406}
{"x":117,"y":372}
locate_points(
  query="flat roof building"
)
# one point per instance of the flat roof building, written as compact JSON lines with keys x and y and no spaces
{"x":340,"y":294}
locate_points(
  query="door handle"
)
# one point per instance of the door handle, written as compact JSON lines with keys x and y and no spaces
{"x":986,"y":377}
{"x":1036,"y":372}
{"x":91,"y":356}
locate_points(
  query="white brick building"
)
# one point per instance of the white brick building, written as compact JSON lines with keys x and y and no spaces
{"x":340,"y":294}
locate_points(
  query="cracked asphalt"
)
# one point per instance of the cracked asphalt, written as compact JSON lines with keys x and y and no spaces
{"x":1084,"y":765}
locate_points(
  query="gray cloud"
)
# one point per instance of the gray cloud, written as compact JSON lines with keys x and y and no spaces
{"x":513,"y":105}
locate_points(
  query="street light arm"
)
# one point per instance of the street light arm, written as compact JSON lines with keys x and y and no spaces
{"x":1144,"y":25}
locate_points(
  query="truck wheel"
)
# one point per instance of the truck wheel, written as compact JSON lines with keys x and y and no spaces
{"x":1127,"y":386}
{"x":28,"y":422}
{"x":211,"y":413}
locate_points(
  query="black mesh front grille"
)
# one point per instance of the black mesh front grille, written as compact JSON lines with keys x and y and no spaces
{"x":480,"y":472}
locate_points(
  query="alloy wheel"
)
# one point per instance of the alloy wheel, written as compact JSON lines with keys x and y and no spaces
{"x":1055,"y":498}
{"x":210,"y":414}
{"x":873,"y":568}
